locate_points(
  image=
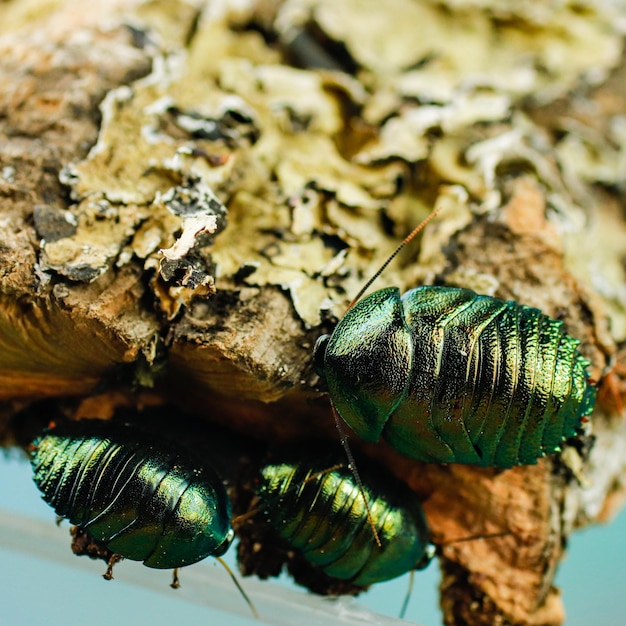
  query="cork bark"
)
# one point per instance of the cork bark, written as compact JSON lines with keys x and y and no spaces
{"x":191,"y":195}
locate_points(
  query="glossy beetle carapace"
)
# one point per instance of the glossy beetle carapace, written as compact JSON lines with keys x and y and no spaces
{"x":316,"y":507}
{"x":133,"y":492}
{"x":446,"y":375}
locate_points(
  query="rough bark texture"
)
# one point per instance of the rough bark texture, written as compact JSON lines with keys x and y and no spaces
{"x":145,"y":144}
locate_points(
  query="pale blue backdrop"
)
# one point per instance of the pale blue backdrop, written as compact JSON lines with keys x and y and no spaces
{"x":35,"y":591}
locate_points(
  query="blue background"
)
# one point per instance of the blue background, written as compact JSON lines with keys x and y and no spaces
{"x":34,"y":591}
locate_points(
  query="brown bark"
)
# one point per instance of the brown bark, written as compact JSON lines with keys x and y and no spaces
{"x":111,"y":153}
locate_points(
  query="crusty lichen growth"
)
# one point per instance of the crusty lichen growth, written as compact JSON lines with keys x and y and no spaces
{"x":204,"y":192}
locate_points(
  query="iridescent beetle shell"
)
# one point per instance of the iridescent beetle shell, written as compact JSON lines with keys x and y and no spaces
{"x":446,"y":375}
{"x":322,"y":514}
{"x":134,"y":493}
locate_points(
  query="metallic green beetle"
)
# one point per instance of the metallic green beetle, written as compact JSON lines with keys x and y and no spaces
{"x":446,"y":375}
{"x":322,"y":513}
{"x":129,"y":490}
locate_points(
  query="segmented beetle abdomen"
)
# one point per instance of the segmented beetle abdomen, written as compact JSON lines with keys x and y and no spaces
{"x":135,"y":494}
{"x":486,"y":382}
{"x":322,"y":514}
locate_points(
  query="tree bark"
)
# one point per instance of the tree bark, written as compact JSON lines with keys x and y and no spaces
{"x":189,"y":199}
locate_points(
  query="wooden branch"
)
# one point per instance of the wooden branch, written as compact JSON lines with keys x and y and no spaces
{"x":189,"y":201}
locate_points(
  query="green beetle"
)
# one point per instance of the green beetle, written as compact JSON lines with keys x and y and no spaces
{"x":134,"y":493}
{"x":315,"y":505}
{"x":445,"y":375}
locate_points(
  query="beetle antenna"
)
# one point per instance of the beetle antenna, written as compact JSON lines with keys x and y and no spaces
{"x":407,"y":596}
{"x":443,"y":544}
{"x":394,"y":254}
{"x":352,"y":465}
{"x":241,"y":591}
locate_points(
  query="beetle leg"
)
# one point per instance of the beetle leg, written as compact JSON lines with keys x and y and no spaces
{"x":175,"y":582}
{"x":116,"y":558}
